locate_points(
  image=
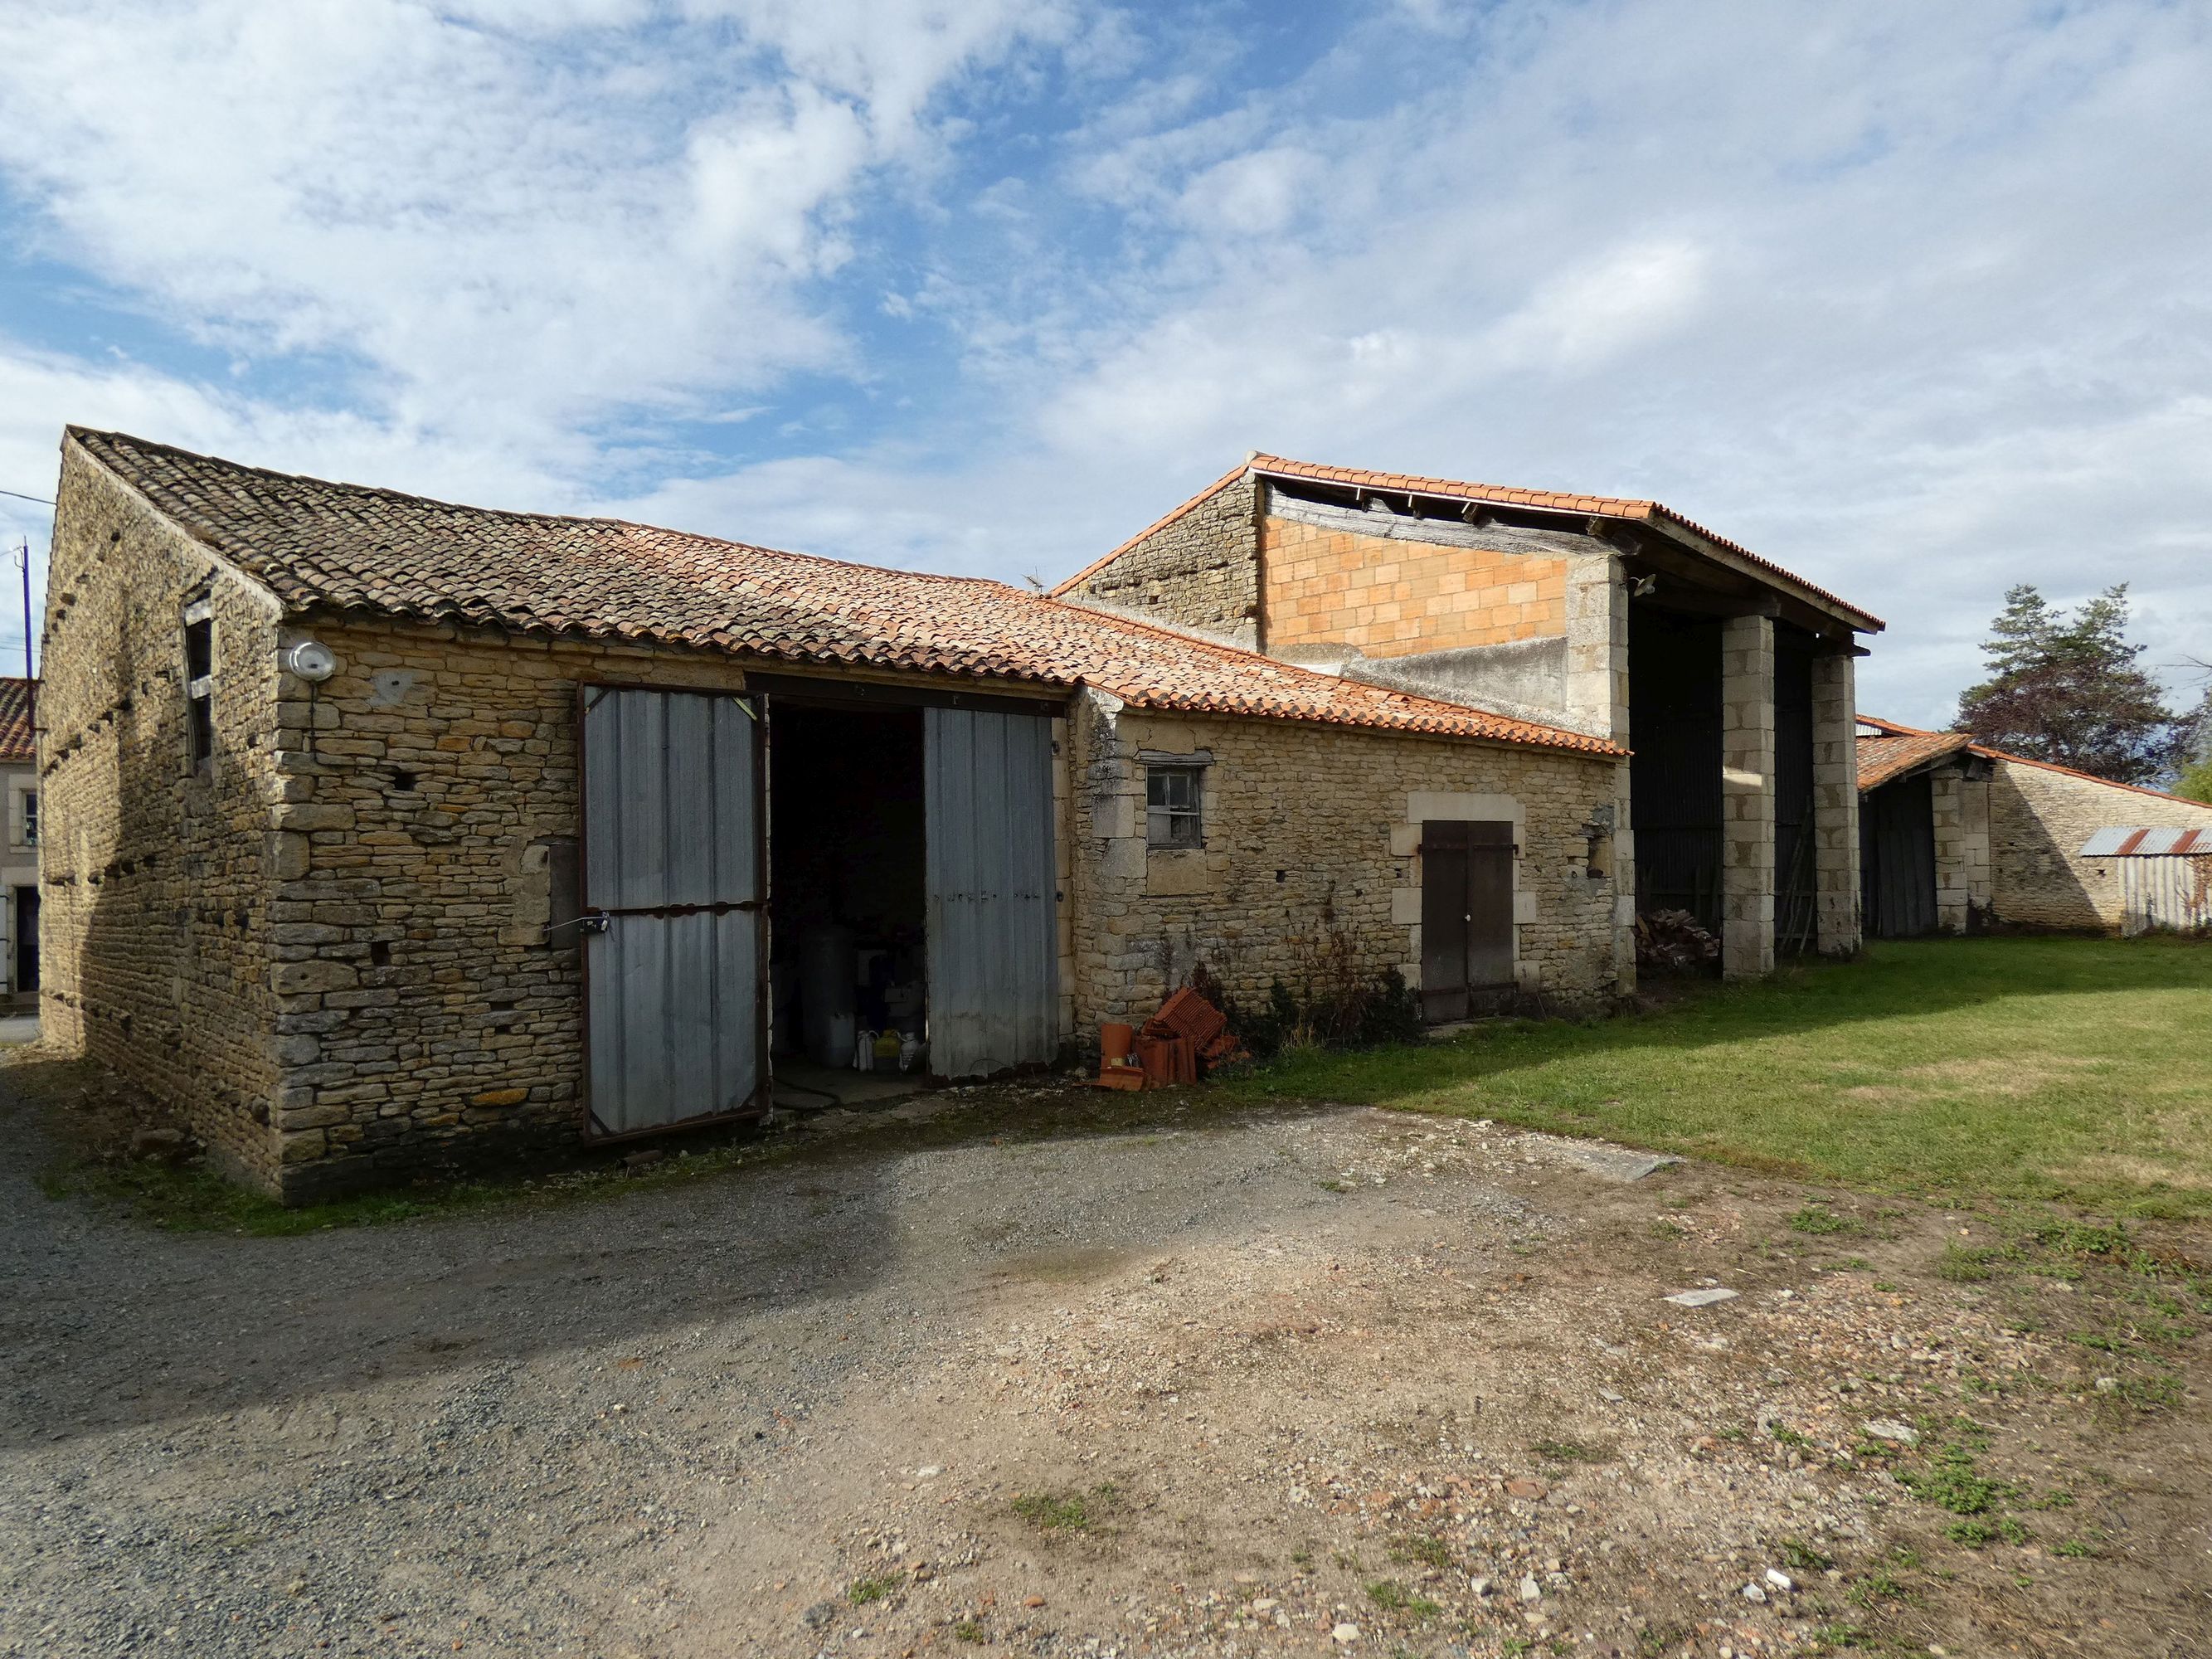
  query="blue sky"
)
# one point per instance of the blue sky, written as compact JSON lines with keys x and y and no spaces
{"x":1911,"y":298}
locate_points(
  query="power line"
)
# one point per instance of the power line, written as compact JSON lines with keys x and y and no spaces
{"x":21,"y":496}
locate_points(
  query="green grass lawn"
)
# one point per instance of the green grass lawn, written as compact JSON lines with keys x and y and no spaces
{"x":2065,"y":1069}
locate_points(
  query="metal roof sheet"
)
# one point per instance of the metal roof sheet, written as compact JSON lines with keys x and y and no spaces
{"x":2126,"y":842}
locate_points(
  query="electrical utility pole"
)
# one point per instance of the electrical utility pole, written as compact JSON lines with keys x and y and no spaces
{"x":23,"y":558}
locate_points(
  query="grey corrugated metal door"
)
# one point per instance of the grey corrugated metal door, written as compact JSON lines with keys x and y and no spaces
{"x":672,"y":859}
{"x":994,"y":936}
{"x":1467,"y":913}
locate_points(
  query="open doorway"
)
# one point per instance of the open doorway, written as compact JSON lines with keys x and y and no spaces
{"x":25,"y":976}
{"x":849,"y":949}
{"x":1674,"y":772}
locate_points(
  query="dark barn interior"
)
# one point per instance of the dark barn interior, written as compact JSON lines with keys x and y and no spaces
{"x":1675,"y":773}
{"x":1797,"y":874}
{"x":847,"y":882}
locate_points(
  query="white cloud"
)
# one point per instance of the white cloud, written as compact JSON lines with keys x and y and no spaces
{"x":1583,"y":317}
{"x":1908,"y":298}
{"x":493,"y":222}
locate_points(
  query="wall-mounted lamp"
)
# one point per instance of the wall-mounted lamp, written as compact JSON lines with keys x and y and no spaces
{"x":310,"y":659}
{"x":315,"y":662}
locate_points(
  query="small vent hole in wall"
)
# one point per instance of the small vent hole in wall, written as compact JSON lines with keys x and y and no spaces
{"x":379,"y":953}
{"x":404,"y":782}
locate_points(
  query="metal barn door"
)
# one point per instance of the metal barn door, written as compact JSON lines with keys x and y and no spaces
{"x":1897,"y":854}
{"x":1467,"y":913}
{"x":672,"y":866}
{"x":993,"y":932}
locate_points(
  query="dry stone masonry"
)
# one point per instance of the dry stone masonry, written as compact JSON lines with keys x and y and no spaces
{"x":330,"y":946}
{"x":1310,"y":868}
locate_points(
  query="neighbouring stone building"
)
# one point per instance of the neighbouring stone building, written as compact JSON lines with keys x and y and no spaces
{"x":1729,"y":677}
{"x":1961,"y":837}
{"x":380,"y":832}
{"x":19,"y":852}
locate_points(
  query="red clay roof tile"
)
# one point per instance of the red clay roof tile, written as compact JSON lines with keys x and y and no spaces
{"x":318,"y":545}
{"x":1892,"y":729}
{"x":1609,"y":506}
{"x":19,"y":707}
{"x":1893,"y":754}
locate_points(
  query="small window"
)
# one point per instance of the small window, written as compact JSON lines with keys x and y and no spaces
{"x":199,"y":682}
{"x":1172,"y":801}
{"x":31,"y":817}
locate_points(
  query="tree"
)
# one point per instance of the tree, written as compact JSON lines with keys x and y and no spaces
{"x":2068,"y":688}
{"x":2195,"y":783}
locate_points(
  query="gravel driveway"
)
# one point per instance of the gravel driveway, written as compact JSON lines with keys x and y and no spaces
{"x":1179,"y":1383}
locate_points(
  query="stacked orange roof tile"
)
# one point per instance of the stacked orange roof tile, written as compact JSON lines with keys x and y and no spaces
{"x":331,"y":547}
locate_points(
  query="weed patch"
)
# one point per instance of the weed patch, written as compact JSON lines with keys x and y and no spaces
{"x":1412,"y":1547}
{"x":1064,"y":1511}
{"x":1820,"y":1221}
{"x":1395,"y":1598}
{"x":1801,"y":1555}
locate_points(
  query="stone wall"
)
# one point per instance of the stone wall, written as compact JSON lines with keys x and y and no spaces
{"x":1310,"y":838}
{"x":2039,"y":818}
{"x":155,"y":928}
{"x":1200,"y":570}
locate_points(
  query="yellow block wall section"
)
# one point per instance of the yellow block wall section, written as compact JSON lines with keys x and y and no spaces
{"x":1391,"y":598}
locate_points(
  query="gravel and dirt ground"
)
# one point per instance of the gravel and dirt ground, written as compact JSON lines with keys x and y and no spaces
{"x":1042,"y":1371}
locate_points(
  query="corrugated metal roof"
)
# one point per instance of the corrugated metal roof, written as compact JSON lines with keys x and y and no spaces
{"x":2124,"y":842}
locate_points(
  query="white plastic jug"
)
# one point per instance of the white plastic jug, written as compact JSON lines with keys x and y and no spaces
{"x":864,"y":1050}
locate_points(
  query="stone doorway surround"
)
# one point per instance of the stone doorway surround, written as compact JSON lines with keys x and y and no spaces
{"x":1423,"y":805}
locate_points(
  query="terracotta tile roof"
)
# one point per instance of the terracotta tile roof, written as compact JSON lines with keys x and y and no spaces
{"x":1892,"y":729}
{"x":1608,"y":507}
{"x":333,"y":547}
{"x":18,"y":718}
{"x":1894,"y":753}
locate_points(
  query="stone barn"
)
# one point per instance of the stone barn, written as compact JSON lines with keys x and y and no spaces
{"x":1731,"y":679}
{"x":380,"y":833}
{"x":1958,"y":837}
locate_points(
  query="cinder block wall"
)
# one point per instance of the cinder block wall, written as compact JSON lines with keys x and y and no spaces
{"x":1390,"y":598}
{"x":1310,"y":833}
{"x":2038,"y":819}
{"x":1962,"y":818}
{"x":154,"y":932}
{"x":1200,"y":570}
